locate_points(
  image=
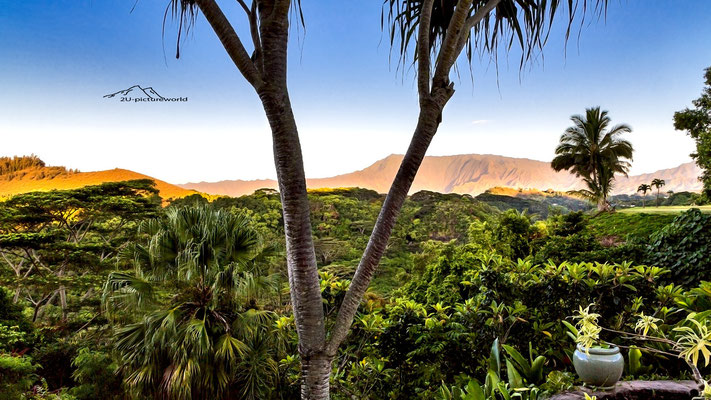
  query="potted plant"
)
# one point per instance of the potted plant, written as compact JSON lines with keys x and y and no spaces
{"x":596,"y":362}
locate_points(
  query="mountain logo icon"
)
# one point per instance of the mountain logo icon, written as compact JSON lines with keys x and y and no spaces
{"x":136,"y":91}
{"x":139,"y":94}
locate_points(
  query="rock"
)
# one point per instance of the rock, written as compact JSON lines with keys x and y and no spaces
{"x":638,"y":390}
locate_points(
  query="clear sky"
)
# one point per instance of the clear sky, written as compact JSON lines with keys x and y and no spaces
{"x":59,"y":57}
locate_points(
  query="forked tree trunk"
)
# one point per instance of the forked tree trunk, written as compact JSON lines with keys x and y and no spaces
{"x":304,"y":282}
{"x":266,"y":72}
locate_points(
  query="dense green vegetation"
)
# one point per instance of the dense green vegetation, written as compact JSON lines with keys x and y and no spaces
{"x":632,"y":202}
{"x":697,"y":123}
{"x":107,"y":295}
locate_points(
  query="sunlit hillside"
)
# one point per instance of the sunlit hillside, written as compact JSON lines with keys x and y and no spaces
{"x":43,"y":178}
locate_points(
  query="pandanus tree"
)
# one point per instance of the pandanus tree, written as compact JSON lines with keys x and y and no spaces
{"x":189,"y":321}
{"x":658,"y":183}
{"x":595,"y":152}
{"x":644,"y":188}
{"x":439,"y":31}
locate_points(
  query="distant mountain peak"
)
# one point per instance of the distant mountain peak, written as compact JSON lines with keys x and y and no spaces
{"x":465,"y":174}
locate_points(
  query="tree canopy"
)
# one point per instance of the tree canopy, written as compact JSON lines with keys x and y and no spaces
{"x":697,"y":124}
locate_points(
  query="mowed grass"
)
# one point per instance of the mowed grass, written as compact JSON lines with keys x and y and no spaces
{"x":663,"y":209}
{"x":629,"y":225}
{"x":637,"y":222}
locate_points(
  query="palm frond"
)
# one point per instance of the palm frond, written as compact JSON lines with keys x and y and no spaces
{"x":594,"y":152}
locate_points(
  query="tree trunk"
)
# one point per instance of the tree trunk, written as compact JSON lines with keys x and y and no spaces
{"x":428,"y":122}
{"x":316,"y":372}
{"x":268,"y":77}
{"x":266,"y":71}
{"x":602,"y":204}
{"x":304,"y":282}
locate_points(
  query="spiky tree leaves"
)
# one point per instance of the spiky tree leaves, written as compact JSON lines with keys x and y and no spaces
{"x":595,"y":151}
{"x":188,"y":320}
{"x":489,"y":25}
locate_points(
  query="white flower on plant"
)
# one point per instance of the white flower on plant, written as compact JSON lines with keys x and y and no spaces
{"x":646,"y":323}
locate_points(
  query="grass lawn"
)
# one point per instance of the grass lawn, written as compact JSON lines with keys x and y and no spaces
{"x":637,"y":222}
{"x":629,"y":225}
{"x":663,"y":209}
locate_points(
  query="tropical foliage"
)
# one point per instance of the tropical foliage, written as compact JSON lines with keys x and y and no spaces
{"x":697,"y":124}
{"x":190,"y":319}
{"x":191,"y":301}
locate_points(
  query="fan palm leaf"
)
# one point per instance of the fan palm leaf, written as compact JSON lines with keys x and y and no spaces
{"x":194,"y":295}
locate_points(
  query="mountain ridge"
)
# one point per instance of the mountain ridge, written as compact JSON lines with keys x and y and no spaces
{"x":57,"y":178}
{"x":465,"y":174}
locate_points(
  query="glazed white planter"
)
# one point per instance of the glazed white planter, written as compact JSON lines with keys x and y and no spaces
{"x":598,"y":366}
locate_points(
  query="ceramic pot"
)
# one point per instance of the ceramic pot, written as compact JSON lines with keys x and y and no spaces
{"x":599,"y":367}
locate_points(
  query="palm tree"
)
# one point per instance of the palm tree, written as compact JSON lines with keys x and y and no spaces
{"x":658,"y":183}
{"x":595,"y":153}
{"x":188,"y":324}
{"x":644,"y":188}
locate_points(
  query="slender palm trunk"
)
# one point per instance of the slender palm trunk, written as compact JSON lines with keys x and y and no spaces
{"x":602,"y":204}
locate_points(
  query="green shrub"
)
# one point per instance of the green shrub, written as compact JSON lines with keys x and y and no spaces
{"x":513,"y":233}
{"x":17,"y":374}
{"x":443,"y":324}
{"x":567,"y":248}
{"x":568,"y":224}
{"x":96,"y":374}
{"x":584,"y":247}
{"x":683,"y":247}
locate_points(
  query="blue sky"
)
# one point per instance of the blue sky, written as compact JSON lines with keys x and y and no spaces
{"x":58,"y":58}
